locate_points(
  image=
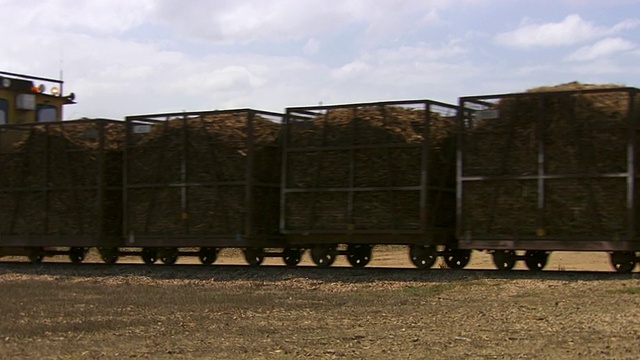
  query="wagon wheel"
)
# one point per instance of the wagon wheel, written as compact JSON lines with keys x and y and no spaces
{"x":169,"y":256}
{"x":253,"y":256}
{"x":208,"y":255}
{"x":423,"y":256}
{"x":504,"y":260}
{"x":77,"y":254}
{"x":359,"y":255}
{"x":292,"y":256}
{"x":149,"y":255}
{"x":623,"y":261}
{"x":536,"y":260}
{"x":35,"y":255}
{"x":457,"y":258}
{"x":323,"y":255}
{"x":109,"y":255}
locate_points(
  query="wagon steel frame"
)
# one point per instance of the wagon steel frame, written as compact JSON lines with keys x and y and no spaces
{"x":249,"y":238}
{"x":629,"y":242}
{"x":15,"y":242}
{"x":426,"y":234}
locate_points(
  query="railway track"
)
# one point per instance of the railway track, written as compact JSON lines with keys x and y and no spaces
{"x":282,"y":272}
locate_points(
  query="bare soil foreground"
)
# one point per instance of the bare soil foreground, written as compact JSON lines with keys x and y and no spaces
{"x":88,"y":311}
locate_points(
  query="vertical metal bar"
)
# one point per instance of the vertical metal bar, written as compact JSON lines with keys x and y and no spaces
{"x":392,"y":179}
{"x":47,"y":181}
{"x":540,"y":135}
{"x":632,"y":118}
{"x":183,"y":176}
{"x":17,"y":208}
{"x":318,"y":167}
{"x":100,"y":185}
{"x":284,"y":146}
{"x":391,"y":193}
{"x":462,"y":114}
{"x":504,"y":165}
{"x":352,"y":171}
{"x":424,"y":164}
{"x":582,"y":162}
{"x":78,"y":205}
{"x":215,"y":173}
{"x":448,"y":156}
{"x":249,"y":180}
{"x":126,"y":233}
{"x":151,"y":205}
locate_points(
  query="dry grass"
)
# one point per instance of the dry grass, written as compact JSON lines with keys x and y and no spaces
{"x":225,"y":312}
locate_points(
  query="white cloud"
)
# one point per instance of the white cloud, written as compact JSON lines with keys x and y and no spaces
{"x":311,"y":47}
{"x":225,"y":54}
{"x":625,"y":25}
{"x":418,"y":52}
{"x":533,"y":69}
{"x":351,"y":70}
{"x":572,"y":30}
{"x":420,"y":71}
{"x":231,"y":22}
{"x":98,"y":16}
{"x":432,"y":17}
{"x":601,"y":48}
{"x":601,"y":69}
{"x":226,"y":78}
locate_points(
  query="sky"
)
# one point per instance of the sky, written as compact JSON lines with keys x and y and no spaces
{"x":127,"y":57}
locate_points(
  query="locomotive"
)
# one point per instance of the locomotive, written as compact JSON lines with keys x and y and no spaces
{"x":518,"y":175}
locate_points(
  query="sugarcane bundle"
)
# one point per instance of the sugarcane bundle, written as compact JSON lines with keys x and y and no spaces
{"x":370,"y":147}
{"x":61,"y":177}
{"x":190,"y":174}
{"x":557,"y":130}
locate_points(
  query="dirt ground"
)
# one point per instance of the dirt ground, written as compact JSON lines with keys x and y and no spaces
{"x":62,"y":311}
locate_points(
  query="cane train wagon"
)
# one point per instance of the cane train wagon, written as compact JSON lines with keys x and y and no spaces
{"x":53,"y":187}
{"x":198,"y":182}
{"x":60,"y":192}
{"x":552,"y":169}
{"x":519,"y":175}
{"x":358,"y":175}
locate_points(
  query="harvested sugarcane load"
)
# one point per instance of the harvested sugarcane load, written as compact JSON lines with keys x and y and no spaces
{"x":203,"y":174}
{"x":382,"y":167}
{"x":62,"y":179}
{"x":552,"y":161}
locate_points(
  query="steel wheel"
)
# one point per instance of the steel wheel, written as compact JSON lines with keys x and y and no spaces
{"x":77,"y":254}
{"x":323,"y":255}
{"x":169,"y":256}
{"x":253,"y":256}
{"x":457,"y":258}
{"x":359,"y":255}
{"x":109,"y":255}
{"x":149,"y":255}
{"x":35,"y":255}
{"x":623,"y":261}
{"x":536,"y":260}
{"x":423,"y":256}
{"x":291,"y":256}
{"x":504,"y":259}
{"x":208,"y":255}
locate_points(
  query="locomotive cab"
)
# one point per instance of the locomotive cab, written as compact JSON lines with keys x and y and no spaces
{"x":22,"y":100}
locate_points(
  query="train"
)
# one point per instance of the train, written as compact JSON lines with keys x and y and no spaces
{"x":518,"y":175}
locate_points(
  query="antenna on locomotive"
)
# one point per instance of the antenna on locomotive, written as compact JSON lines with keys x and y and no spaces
{"x":61,"y":68}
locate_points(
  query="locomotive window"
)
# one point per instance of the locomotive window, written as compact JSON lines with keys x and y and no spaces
{"x":47,"y":113}
{"x":3,"y":111}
